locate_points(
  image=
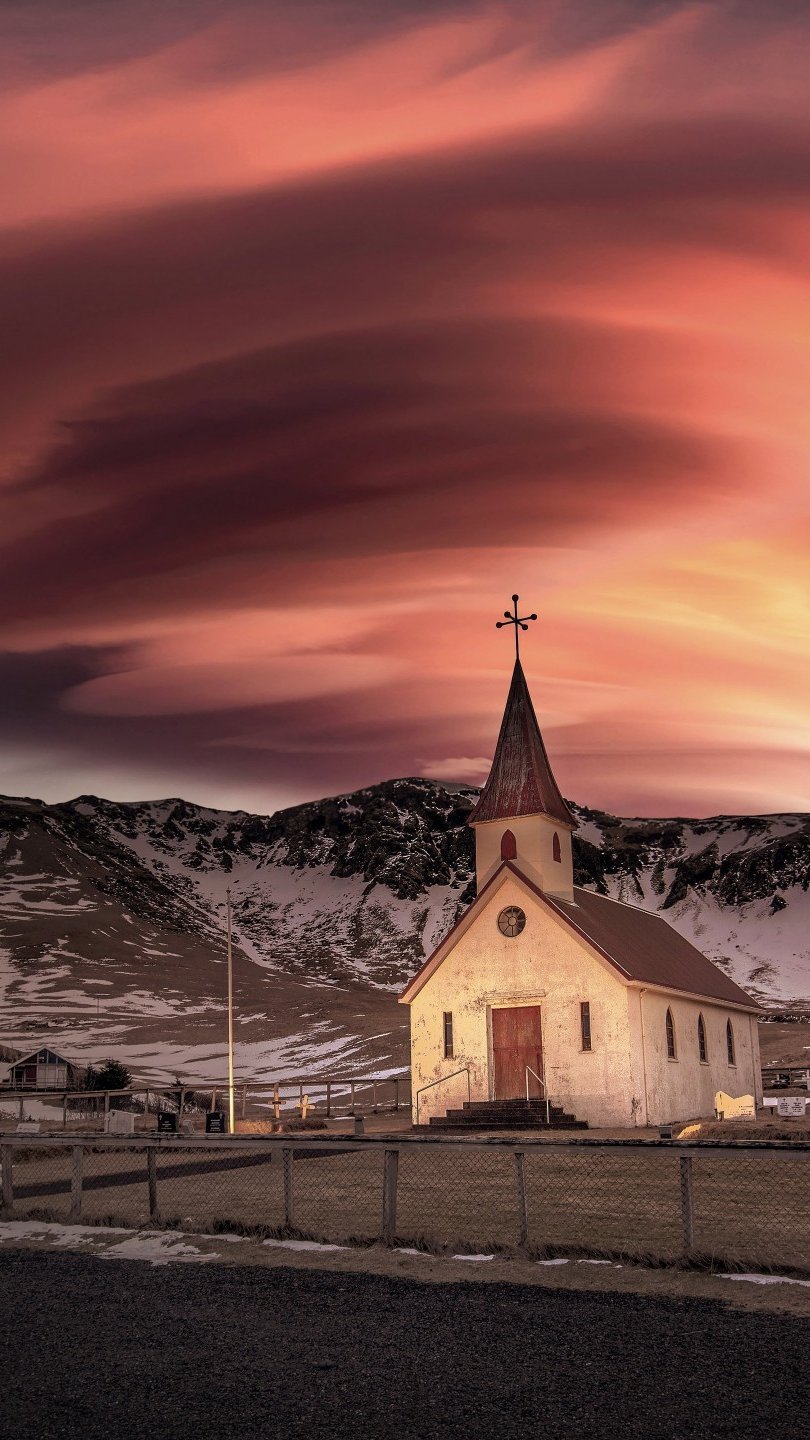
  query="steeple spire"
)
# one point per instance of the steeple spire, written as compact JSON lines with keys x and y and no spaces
{"x":521,"y":781}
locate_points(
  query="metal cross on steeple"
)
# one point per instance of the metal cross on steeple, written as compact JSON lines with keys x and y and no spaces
{"x":519,"y":622}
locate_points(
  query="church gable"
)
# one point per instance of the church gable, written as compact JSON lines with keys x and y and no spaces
{"x":635,"y":946}
{"x":504,"y":941}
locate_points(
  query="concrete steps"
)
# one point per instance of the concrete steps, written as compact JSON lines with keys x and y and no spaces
{"x":504,"y":1115}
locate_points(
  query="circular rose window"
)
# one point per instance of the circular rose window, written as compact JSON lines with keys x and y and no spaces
{"x":511,"y":920}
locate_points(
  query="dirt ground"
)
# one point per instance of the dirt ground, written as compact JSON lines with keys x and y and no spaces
{"x":160,"y":1248}
{"x":785,"y":1044}
{"x":765,"y":1127}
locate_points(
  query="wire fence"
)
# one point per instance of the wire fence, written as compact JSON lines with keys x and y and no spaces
{"x":729,"y":1205}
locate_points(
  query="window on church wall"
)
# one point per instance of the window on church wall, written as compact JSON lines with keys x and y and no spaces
{"x":702,"y":1051}
{"x":508,"y":846}
{"x":585,"y":1023}
{"x":448,"y":1034}
{"x":555,"y":848}
{"x":730,"y":1043}
{"x":672,"y":1053}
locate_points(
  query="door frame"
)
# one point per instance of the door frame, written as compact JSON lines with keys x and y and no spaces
{"x":518,"y":1002}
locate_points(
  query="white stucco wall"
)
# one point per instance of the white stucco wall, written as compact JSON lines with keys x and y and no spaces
{"x":684,"y":1088}
{"x":546,"y":966}
{"x":534,"y":837}
{"x":618,"y":1082}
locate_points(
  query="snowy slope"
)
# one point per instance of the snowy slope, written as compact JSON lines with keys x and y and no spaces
{"x":112,"y":917}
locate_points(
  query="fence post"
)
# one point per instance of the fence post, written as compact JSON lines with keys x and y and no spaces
{"x":64,"y":1112}
{"x":106,"y":1107}
{"x":8,"y":1182}
{"x":396,"y":1094}
{"x":76,"y":1183}
{"x":287,"y":1156}
{"x":151,"y":1171}
{"x":523,"y":1209}
{"x":687,"y":1202}
{"x":181,"y":1105}
{"x":389,"y":1216}
{"x":352,"y":1099}
{"x":328,"y":1099}
{"x":374,"y":1096}
{"x":244,"y":1100}
{"x":22,"y":1110}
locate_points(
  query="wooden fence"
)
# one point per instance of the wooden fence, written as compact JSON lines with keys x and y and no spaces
{"x":328,"y":1096}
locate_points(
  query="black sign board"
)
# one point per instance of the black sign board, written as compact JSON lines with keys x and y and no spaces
{"x":166,"y":1122}
{"x":215,"y":1123}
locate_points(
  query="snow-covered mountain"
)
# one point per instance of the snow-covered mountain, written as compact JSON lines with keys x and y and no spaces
{"x":112,"y":917}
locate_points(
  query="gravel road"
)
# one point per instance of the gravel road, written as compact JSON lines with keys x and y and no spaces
{"x":93,"y":1348}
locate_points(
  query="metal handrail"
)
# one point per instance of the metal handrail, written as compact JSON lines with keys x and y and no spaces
{"x":422,"y":1088}
{"x":541,"y":1081}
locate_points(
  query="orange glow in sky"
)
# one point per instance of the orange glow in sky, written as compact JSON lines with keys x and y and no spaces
{"x":328,"y":326}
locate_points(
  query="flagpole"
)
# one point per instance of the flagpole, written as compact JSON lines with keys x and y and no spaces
{"x":231,"y":1126}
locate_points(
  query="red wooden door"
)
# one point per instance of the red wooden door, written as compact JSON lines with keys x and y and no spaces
{"x":516,"y":1043}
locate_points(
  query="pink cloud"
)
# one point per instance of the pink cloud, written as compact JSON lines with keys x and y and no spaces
{"x":328,"y":335}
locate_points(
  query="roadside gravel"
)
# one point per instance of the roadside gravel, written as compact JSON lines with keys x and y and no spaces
{"x":92,"y":1349}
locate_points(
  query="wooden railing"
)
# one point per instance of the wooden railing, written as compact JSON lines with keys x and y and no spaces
{"x":325,"y":1095}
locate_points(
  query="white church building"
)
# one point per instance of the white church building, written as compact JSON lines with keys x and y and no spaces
{"x":544,"y":991}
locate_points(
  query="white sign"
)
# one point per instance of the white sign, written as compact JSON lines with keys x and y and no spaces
{"x":120,"y":1122}
{"x":734,"y":1107}
{"x":790,"y":1105}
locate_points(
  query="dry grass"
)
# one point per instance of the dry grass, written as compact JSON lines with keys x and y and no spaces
{"x":759,"y":1129}
{"x":750,"y":1208}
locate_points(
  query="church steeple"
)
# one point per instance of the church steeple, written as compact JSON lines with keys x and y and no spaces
{"x":521,"y":814}
{"x":521,"y":781}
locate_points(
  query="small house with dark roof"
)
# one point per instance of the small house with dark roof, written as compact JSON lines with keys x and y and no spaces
{"x":547,"y":1001}
{"x":43,"y":1069}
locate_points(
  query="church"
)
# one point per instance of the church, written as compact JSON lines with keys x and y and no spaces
{"x":547,"y":1003}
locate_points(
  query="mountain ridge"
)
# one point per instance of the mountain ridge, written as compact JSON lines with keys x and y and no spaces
{"x":336,"y":903}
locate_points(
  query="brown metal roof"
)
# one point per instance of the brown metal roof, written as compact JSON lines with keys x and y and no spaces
{"x":645,"y":947}
{"x":520,"y":781}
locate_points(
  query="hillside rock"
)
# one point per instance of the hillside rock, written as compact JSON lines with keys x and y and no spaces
{"x":99,"y":898}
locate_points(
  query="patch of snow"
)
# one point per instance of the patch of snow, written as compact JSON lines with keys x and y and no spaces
{"x":302,"y":1245}
{"x":13,"y":1230}
{"x":159,"y":1248}
{"x":472,"y":1257}
{"x":766,"y":1279}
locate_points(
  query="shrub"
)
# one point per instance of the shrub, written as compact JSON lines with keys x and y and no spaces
{"x":112,"y":1075}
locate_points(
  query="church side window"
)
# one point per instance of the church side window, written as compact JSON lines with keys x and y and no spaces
{"x":585,"y":1023}
{"x":730,"y":1043}
{"x":555,"y":848}
{"x":508,"y":846}
{"x":672,"y":1053}
{"x":448,"y":1034}
{"x":702,"y":1052}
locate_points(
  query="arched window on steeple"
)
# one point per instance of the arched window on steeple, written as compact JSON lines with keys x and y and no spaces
{"x":555,"y":848}
{"x":508,"y":846}
{"x":672,"y":1053}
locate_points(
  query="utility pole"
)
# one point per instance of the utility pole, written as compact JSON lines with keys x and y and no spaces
{"x":231,"y":1126}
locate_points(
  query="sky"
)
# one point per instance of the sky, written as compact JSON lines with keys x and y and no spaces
{"x":330,"y":324}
